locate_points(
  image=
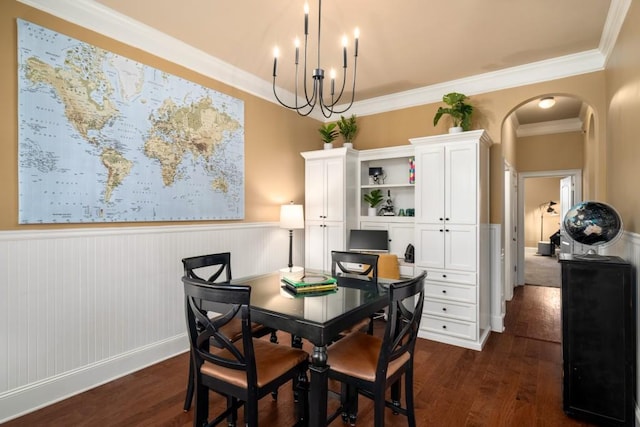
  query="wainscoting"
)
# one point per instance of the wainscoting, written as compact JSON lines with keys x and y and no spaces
{"x":82,"y":307}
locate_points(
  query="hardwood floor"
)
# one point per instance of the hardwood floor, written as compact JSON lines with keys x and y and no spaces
{"x":515,"y":381}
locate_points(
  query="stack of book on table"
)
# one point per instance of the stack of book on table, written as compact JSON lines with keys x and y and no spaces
{"x":310,"y":284}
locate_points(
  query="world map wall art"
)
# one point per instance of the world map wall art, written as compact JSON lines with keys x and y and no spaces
{"x":103,"y":138}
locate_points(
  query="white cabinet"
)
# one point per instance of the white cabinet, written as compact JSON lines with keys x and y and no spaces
{"x":320,"y":239}
{"x":452,"y":236}
{"x":330,"y":191}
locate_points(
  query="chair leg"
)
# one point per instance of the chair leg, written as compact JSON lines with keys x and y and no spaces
{"x":396,"y":392}
{"x":379,"y":407}
{"x":232,"y":418}
{"x":350,"y":403}
{"x":274,"y":337}
{"x":202,"y":406}
{"x":301,"y":397}
{"x":408,"y":384}
{"x":189,"y":396}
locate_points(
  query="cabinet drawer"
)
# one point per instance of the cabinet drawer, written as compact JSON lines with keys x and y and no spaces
{"x":450,"y":292}
{"x":439,"y":325}
{"x":451,"y":310}
{"x":449,"y":276}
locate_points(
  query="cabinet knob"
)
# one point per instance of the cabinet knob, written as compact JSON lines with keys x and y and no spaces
{"x":447,"y":230}
{"x":444,"y":308}
{"x":444,"y":326}
{"x":444,"y":291}
{"x":444,"y":275}
{"x":446,"y":219}
{"x":441,"y":219}
{"x":441,"y":230}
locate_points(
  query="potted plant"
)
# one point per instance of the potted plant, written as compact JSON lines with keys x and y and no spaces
{"x":328,"y":134}
{"x":348,"y":129}
{"x":459,"y":111}
{"x":374,"y":198}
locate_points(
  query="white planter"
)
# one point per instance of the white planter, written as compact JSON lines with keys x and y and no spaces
{"x":348,"y":144}
{"x":328,"y":145}
{"x":456,"y":129}
{"x":373,"y":211}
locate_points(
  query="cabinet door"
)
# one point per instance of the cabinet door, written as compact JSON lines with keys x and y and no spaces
{"x":460,"y":183}
{"x":314,"y":246}
{"x":400,"y":235}
{"x":430,"y":245}
{"x":429,"y":197}
{"x":314,"y":198}
{"x":460,"y":247}
{"x":334,"y":240}
{"x":334,"y":189}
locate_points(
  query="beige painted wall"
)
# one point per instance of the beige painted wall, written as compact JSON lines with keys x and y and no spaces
{"x":538,"y":191}
{"x":622,"y":157}
{"x":276,"y":136}
{"x":558,"y":151}
{"x":273,"y":135}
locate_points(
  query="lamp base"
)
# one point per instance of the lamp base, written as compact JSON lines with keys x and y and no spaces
{"x":294,"y":273}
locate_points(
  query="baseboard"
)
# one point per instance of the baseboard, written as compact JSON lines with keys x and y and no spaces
{"x":21,"y":401}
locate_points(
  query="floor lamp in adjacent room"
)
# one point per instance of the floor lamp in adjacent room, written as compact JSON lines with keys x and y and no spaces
{"x":545,"y":247}
{"x":291,"y":218}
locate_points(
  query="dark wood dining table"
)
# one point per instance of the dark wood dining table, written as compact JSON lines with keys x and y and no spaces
{"x":318,"y":319}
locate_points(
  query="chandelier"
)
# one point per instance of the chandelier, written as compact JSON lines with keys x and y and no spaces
{"x":317,"y":95}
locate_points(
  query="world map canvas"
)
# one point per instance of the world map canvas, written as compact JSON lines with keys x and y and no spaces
{"x":103,"y":138}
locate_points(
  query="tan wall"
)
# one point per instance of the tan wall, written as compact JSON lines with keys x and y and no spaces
{"x":276,"y":136}
{"x":490,"y":110}
{"x":622,"y":157}
{"x":558,"y":151}
{"x":273,"y":135}
{"x":538,"y":191}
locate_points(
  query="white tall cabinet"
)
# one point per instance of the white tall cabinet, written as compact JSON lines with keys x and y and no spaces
{"x":330,"y":192}
{"x":452,"y":236}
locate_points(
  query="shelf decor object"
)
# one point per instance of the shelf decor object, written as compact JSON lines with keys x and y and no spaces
{"x":317,"y":95}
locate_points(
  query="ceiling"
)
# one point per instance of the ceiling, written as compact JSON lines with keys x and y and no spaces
{"x":403,"y":49}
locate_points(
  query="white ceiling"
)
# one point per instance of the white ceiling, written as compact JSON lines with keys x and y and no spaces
{"x":410,"y":51}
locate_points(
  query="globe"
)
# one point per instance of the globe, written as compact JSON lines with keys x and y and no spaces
{"x":594,"y":224}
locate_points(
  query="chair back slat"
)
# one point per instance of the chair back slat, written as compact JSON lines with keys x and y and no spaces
{"x":221,"y":261}
{"x":340,"y":261}
{"x":406,"y":300}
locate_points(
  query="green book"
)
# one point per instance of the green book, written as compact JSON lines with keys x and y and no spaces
{"x":310,"y":280}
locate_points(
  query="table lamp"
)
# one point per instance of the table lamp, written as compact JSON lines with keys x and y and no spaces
{"x":291,"y":218}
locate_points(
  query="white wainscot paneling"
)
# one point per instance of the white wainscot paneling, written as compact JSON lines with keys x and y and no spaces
{"x":82,"y":307}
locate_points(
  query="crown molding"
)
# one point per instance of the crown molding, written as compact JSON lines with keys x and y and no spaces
{"x":96,"y":17}
{"x":545,"y":128}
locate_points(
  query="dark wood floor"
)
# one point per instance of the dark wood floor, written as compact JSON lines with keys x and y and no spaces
{"x":514,"y":381}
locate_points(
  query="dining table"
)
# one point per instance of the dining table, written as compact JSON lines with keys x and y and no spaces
{"x":318,"y":318}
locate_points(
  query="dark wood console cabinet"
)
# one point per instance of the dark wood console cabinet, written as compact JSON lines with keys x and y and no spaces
{"x":598,"y":339}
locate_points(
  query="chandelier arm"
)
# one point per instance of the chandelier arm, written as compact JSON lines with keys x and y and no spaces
{"x":353,"y":90}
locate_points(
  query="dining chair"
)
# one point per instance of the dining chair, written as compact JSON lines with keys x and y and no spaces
{"x":216,"y":268}
{"x":242,"y":370}
{"x":368,"y":364}
{"x":360,"y":264}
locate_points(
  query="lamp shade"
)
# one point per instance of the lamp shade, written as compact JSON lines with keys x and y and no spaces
{"x":291,"y":217}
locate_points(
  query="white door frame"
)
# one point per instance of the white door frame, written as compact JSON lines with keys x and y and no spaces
{"x":510,"y":226}
{"x":576,"y":173}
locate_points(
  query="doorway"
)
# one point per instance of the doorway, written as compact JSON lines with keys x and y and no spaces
{"x":541,"y":218}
